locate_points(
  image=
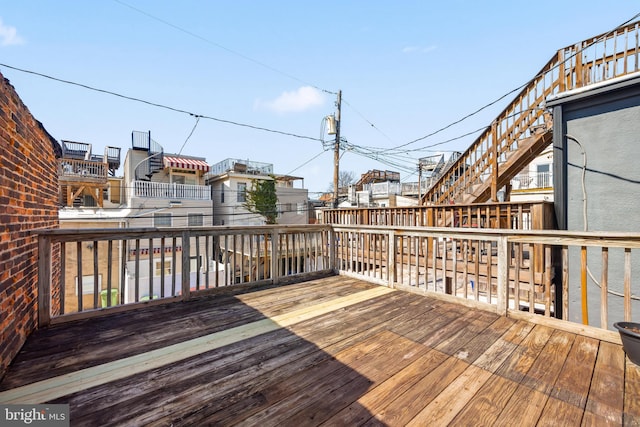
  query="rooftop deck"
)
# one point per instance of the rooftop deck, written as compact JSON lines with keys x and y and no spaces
{"x":332,"y":351}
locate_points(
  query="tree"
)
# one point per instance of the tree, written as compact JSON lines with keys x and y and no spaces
{"x":345,"y":178}
{"x":261,"y":199}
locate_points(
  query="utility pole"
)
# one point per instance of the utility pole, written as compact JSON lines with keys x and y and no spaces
{"x":419,"y":180}
{"x":336,"y":153}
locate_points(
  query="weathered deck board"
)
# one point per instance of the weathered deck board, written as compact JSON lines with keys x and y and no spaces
{"x":606,"y":395}
{"x":331,"y":351}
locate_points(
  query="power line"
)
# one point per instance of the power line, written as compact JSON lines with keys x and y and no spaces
{"x":218,"y":45}
{"x":511,"y":91}
{"x":190,"y":133}
{"x":369,"y":122}
{"x":155,"y":104}
{"x":308,"y":161}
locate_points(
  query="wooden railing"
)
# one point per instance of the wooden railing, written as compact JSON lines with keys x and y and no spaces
{"x":594,"y":60}
{"x":82,"y":170}
{"x":119,"y":268}
{"x":581,"y":278}
{"x":573,"y":276}
{"x":509,"y":215}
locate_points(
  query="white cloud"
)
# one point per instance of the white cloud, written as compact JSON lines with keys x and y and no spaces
{"x":9,"y":35}
{"x":419,"y":49}
{"x":296,"y":101}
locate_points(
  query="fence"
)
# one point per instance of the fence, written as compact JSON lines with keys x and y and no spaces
{"x":584,"y":278}
{"x":114,"y":267}
{"x":163,"y":190}
{"x":579,"y":277}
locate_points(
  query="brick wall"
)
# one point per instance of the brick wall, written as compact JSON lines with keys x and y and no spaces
{"x":28,"y":201}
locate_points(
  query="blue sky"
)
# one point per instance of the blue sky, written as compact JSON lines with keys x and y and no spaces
{"x":405,"y":68}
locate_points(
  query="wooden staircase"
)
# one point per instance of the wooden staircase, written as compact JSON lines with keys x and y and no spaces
{"x":523,"y":129}
{"x":529,"y":149}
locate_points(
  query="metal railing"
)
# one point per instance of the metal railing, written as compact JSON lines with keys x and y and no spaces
{"x":163,"y":190}
{"x":155,"y":151}
{"x":382,"y":189}
{"x":241,"y":166}
{"x":76,"y":150}
{"x":529,"y":181}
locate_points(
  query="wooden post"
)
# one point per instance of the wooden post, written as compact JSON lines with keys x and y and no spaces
{"x":391,"y":258}
{"x":275,"y":275}
{"x":583,"y":285}
{"x":561,"y":70}
{"x":186,"y":266}
{"x":627,"y":284}
{"x":604,"y":289}
{"x":494,"y":162}
{"x":44,"y":281}
{"x":503,"y":276}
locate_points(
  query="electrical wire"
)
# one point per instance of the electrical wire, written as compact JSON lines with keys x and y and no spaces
{"x":189,"y":136}
{"x":584,"y":214}
{"x":366,"y":120}
{"x":307,"y":162}
{"x":218,"y":45}
{"x":155,"y":104}
{"x":516,"y":89}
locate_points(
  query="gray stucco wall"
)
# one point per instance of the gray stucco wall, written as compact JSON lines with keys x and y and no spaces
{"x":606,"y":125}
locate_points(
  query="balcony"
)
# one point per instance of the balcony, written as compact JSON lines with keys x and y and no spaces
{"x":71,"y":170}
{"x":422,"y":326}
{"x":241,"y":166}
{"x":162,"y":190}
{"x":533,"y":181}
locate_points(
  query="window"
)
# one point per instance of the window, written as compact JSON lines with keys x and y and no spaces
{"x":159,"y":270}
{"x":162,"y":220}
{"x":543,"y":168}
{"x":242,"y":192}
{"x":195,"y":263}
{"x":302,"y":207}
{"x":544,"y":178}
{"x":221,"y":193}
{"x":182,"y":179}
{"x":196,"y":220}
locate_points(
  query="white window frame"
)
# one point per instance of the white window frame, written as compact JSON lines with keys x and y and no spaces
{"x":241,"y":188}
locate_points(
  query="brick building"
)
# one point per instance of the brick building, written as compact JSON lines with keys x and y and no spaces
{"x":28,"y":202}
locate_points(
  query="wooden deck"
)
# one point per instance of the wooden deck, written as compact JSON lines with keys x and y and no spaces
{"x":333,"y":351}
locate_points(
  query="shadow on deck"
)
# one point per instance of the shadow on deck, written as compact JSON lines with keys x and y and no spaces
{"x":338,"y":351}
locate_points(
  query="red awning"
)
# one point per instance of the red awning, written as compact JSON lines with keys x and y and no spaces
{"x":185,"y":163}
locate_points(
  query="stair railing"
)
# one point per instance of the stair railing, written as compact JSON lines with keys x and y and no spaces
{"x":597,"y":59}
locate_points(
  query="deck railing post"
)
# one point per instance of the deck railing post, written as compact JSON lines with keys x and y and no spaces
{"x":503,"y":276}
{"x":332,"y":242}
{"x":275,"y":256}
{"x":186,"y":265}
{"x":391,"y":258}
{"x":44,"y":280}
